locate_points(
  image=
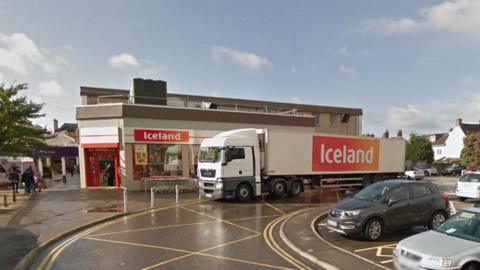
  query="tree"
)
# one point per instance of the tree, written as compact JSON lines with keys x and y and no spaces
{"x":419,"y":148}
{"x":18,"y":135}
{"x":470,"y":155}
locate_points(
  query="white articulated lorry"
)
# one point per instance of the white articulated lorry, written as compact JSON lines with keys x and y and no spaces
{"x":244,"y":163}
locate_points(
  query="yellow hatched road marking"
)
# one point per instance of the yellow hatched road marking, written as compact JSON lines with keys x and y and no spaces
{"x":49,"y":260}
{"x":220,"y":220}
{"x":376,"y":247}
{"x":200,"y":252}
{"x":274,"y":208}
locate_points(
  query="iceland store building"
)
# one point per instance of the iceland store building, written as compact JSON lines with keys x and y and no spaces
{"x":147,"y":133}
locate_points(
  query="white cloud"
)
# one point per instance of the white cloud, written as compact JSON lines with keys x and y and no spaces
{"x":344,"y":51}
{"x":454,"y":16}
{"x":296,"y":100}
{"x":50,"y":88}
{"x":21,"y":55}
{"x":350,"y":72}
{"x":433,"y":115}
{"x":123,"y":61}
{"x":246,"y":60}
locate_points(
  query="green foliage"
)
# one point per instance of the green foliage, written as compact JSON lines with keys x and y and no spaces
{"x":18,"y":135}
{"x":419,"y":148}
{"x":471,"y":151}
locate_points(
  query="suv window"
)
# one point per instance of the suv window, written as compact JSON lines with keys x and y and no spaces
{"x":474,"y":177}
{"x":464,"y":178}
{"x":399,"y":193}
{"x":419,"y":191}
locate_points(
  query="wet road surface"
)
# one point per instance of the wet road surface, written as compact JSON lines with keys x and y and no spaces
{"x":192,"y":235}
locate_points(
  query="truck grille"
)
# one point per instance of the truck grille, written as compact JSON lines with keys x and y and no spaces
{"x":207,"y":173}
{"x":206,"y":184}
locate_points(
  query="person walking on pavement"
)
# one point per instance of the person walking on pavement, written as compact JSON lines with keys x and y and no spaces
{"x":14,"y":177}
{"x":39,"y":184}
{"x":28,"y":180}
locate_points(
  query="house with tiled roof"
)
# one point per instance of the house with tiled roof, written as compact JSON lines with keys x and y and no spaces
{"x":448,"y":146}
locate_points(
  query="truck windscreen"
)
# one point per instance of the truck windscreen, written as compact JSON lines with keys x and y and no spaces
{"x":210,"y":154}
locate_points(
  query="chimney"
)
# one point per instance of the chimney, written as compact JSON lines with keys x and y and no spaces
{"x":399,"y":134}
{"x":458,"y":122}
{"x":55,"y":125}
{"x":152,"y":92}
{"x":386,"y":134}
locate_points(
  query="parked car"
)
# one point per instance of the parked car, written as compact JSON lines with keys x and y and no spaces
{"x":468,"y":186}
{"x":452,"y":170}
{"x":455,"y":244}
{"x":389,"y":206}
{"x":470,"y":169}
{"x":429,"y":171}
{"x":415,"y":174}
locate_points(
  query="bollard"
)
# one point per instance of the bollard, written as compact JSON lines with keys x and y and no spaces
{"x":5,"y":203}
{"x":125,"y":200}
{"x":152,"y":199}
{"x":14,"y":196}
{"x":176,"y":193}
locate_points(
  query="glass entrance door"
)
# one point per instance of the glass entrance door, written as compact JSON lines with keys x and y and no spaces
{"x":102,"y":167}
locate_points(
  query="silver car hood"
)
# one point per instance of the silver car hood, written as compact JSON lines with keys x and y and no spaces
{"x":436,"y":244}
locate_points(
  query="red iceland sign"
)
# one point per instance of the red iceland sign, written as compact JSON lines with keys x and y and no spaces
{"x":151,"y":135}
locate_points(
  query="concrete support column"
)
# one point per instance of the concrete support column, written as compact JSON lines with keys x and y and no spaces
{"x":77,"y":161}
{"x":64,"y":169}
{"x":40,"y":166}
{"x":49,"y":161}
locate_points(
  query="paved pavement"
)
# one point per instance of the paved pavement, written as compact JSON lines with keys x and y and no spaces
{"x":58,"y":209}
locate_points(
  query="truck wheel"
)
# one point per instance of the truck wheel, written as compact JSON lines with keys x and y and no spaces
{"x":244,"y":192}
{"x":462,"y":199}
{"x":296,"y":188}
{"x":279,"y":188}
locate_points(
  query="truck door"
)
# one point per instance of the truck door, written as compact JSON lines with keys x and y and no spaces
{"x":238,"y":162}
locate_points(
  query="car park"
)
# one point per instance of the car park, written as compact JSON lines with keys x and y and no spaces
{"x":389,"y":206}
{"x":415,"y":174}
{"x":452,"y":170}
{"x":429,"y":171}
{"x":455,"y":244}
{"x":468,"y":186}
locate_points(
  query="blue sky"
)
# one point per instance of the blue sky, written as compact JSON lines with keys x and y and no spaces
{"x":411,"y":65}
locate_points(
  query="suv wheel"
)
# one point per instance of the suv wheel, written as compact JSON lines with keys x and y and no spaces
{"x":244,"y":192}
{"x":436,"y":219}
{"x":373,"y":229}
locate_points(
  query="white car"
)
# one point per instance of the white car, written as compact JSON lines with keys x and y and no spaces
{"x":455,"y":244}
{"x":415,"y":174}
{"x":468,"y":186}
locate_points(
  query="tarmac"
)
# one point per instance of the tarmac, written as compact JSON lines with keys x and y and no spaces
{"x":56,"y":210}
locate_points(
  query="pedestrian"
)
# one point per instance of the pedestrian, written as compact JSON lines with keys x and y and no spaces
{"x":28,"y":180}
{"x":39,"y":184}
{"x":72,"y":170}
{"x":14,"y":177}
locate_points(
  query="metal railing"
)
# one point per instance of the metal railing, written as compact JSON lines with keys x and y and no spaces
{"x":187,"y":103}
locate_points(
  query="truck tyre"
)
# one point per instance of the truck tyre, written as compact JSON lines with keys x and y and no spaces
{"x":462,"y":199}
{"x":296,"y":188}
{"x":243,"y":192}
{"x":279,"y":188}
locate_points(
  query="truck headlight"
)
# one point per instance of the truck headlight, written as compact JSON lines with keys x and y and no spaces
{"x":219,"y":184}
{"x":351,"y":213}
{"x":442,"y":262}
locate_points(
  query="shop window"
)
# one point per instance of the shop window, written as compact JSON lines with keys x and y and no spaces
{"x":157,"y":160}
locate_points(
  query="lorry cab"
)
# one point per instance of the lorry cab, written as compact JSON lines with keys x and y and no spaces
{"x":229,"y":165}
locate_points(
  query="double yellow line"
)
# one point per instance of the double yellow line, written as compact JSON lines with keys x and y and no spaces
{"x":270,"y":240}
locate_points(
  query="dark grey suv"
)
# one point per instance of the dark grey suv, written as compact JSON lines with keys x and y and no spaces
{"x":389,"y":206}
